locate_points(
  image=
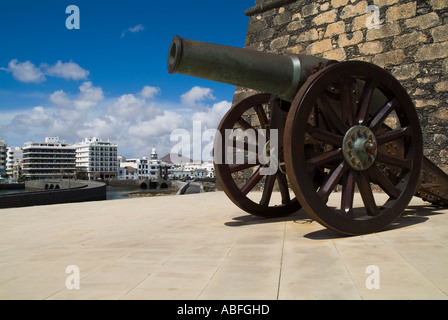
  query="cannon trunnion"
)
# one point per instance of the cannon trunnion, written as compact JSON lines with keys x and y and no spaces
{"x":345,"y":131}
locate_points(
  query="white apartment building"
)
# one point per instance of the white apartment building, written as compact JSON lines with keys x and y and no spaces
{"x":143,"y":168}
{"x":194,"y":170}
{"x":49,"y":159}
{"x":14,"y":158}
{"x":2,"y":157}
{"x":96,"y":159}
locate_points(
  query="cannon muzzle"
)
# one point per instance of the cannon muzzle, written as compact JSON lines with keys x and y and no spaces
{"x":265,"y":72}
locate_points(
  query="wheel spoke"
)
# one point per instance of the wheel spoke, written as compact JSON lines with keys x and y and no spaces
{"x":267,"y":191}
{"x":283,"y":186}
{"x":245,"y":125}
{"x":393,"y":135}
{"x":324,"y":135}
{"x":332,"y":180}
{"x":253,"y":180}
{"x":367,"y":195}
{"x":366,"y":98}
{"x":331,"y":116}
{"x":381,"y":179}
{"x":264,"y":122}
{"x":325,"y":159}
{"x":242,"y":166}
{"x":382,"y":114}
{"x":348,"y":105}
{"x":348,"y":191}
{"x":395,"y":161}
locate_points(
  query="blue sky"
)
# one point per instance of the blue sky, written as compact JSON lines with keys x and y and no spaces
{"x":109,"y":77}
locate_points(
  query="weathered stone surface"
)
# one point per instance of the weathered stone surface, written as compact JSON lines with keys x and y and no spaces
{"x":387,"y":30}
{"x":409,"y":39}
{"x":406,"y":71}
{"x":432,"y":51}
{"x":348,"y":39}
{"x":389,"y":58}
{"x":440,"y":33}
{"x":401,"y":11}
{"x":423,"y":22}
{"x":319,"y":47}
{"x":324,"y":18}
{"x":372,"y":47}
{"x":335,"y":28}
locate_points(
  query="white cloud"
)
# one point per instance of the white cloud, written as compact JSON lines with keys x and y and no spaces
{"x":127,"y":107}
{"x":159,"y":126}
{"x":67,"y":70}
{"x":89,"y":96}
{"x":25,"y":71}
{"x":60,"y":99}
{"x":137,"y":28}
{"x":37,"y":117}
{"x":149,"y":92}
{"x":213,"y":116}
{"x":196,"y":96}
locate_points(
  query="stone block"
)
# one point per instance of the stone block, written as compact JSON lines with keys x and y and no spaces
{"x":372,"y":47}
{"x":360,"y":22}
{"x":348,"y":39}
{"x":442,"y":86}
{"x":424,"y":21}
{"x":336,"y":54}
{"x":338,"y":3}
{"x":319,"y":47}
{"x":351,"y":10}
{"x":279,"y":43}
{"x":296,"y":25}
{"x":395,"y":57}
{"x":310,"y":9}
{"x":310,"y":35}
{"x":440,"y":33}
{"x":432,"y":51}
{"x":387,"y":30}
{"x":406,"y":71}
{"x":409,"y":39}
{"x":401,"y":11}
{"x":325,"y":18}
{"x":335,"y":28}
{"x":438,"y":4}
{"x":382,"y":3}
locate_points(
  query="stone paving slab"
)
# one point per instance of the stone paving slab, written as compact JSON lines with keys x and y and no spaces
{"x":203,"y":247}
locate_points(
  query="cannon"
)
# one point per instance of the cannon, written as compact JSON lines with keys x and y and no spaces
{"x":346,"y":131}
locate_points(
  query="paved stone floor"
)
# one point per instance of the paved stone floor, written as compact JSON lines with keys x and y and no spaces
{"x":203,"y":247}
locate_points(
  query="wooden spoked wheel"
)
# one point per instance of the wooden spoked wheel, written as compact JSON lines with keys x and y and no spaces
{"x":356,"y":123}
{"x":248,"y":164}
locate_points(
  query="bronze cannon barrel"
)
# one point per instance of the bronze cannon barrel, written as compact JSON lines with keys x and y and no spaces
{"x":265,"y":72}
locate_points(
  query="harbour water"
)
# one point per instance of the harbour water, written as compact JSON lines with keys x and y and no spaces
{"x":112,"y":193}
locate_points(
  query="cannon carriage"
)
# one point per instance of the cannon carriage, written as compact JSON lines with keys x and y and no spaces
{"x":318,"y":129}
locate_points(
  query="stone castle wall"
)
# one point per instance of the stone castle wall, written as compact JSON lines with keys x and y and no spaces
{"x":408,"y":38}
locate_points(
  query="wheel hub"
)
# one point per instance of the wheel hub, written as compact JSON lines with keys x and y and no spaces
{"x":359,"y":147}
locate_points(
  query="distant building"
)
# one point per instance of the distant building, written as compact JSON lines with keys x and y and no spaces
{"x":143,"y":168}
{"x":194,"y":170}
{"x":14,"y":158}
{"x":2,"y":158}
{"x":49,"y":159}
{"x":96,"y":159}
